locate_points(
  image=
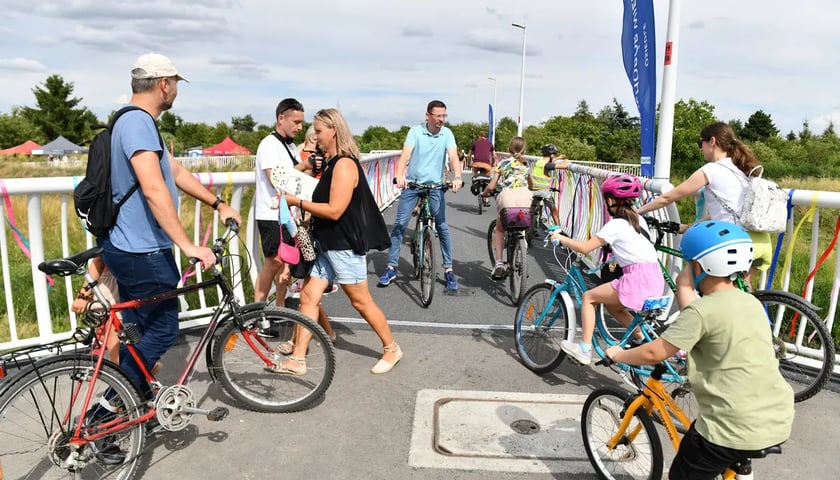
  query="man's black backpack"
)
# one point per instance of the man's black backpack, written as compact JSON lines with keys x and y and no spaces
{"x":94,"y":203}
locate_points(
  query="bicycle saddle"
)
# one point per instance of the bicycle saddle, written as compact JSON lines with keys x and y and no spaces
{"x":70,"y":265}
{"x":763,"y":452}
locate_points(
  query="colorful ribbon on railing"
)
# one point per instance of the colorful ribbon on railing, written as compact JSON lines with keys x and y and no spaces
{"x":822,"y":258}
{"x":21,"y":239}
{"x":809,"y":216}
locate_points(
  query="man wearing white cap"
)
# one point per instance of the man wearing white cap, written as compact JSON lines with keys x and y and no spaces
{"x":138,"y":249}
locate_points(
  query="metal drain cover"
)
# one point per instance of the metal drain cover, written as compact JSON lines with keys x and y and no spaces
{"x":525,"y":427}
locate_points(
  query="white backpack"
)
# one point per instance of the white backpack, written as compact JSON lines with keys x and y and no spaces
{"x":765,"y":205}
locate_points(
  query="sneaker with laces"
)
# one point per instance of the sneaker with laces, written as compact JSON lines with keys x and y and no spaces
{"x":573,"y":349}
{"x":499,"y":271}
{"x":451,"y":281}
{"x":387,"y":277}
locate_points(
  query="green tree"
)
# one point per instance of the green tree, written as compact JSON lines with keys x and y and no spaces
{"x":759,"y":127}
{"x":16,"y":129}
{"x":58,"y":113}
{"x":245,"y":124}
{"x":805,"y":134}
{"x":689,"y":119}
{"x":170,"y":122}
{"x":829,"y":132}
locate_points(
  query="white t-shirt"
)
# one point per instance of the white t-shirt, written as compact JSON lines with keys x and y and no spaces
{"x":270,"y":153}
{"x":729,"y":184}
{"x":628,"y":246}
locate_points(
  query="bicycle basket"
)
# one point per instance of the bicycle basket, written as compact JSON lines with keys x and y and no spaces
{"x":516,"y":217}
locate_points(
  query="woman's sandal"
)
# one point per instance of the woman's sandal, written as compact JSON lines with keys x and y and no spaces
{"x":290,"y":365}
{"x":286,"y":348}
{"x":383,"y":366}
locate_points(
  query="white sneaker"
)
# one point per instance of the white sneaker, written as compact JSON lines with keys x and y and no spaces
{"x":573,"y":349}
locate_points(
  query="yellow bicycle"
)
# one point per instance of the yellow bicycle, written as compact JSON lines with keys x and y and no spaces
{"x":621,"y":440}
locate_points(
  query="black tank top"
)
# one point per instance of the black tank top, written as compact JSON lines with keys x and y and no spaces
{"x":360,"y":228}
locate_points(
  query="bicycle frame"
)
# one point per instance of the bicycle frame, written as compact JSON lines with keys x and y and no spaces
{"x":654,"y":397}
{"x":115,"y":326}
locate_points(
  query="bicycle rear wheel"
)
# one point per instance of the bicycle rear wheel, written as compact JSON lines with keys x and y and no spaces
{"x":241,"y":359}
{"x":491,"y":250}
{"x":39,"y":411}
{"x":427,"y":267}
{"x":518,"y":268}
{"x":640,"y":457}
{"x":804,"y":347}
{"x":539,"y":327}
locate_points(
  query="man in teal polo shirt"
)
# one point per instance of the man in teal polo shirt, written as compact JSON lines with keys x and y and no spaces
{"x":427,"y":146}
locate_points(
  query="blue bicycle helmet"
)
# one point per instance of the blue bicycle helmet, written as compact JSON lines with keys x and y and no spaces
{"x":722,"y":249}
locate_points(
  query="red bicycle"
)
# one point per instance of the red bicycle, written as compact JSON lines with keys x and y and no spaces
{"x":78,"y":415}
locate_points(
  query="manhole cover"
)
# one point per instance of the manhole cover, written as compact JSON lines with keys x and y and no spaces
{"x":525,"y":427}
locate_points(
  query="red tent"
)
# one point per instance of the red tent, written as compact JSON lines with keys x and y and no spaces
{"x":24,"y":148}
{"x":226,"y":147}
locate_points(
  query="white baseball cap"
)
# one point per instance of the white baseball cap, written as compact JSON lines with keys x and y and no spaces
{"x":154,"y":65}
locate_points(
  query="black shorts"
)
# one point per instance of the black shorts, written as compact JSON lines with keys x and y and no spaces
{"x":699,"y":459}
{"x":269,"y":237}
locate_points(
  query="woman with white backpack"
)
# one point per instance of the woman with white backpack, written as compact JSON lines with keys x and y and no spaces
{"x":730,"y":167}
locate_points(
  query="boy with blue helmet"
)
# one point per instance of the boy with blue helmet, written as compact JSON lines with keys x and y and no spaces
{"x":745,"y":404}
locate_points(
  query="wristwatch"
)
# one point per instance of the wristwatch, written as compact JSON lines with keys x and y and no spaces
{"x":216,"y":204}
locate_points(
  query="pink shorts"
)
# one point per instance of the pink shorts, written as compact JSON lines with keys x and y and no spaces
{"x":639,"y":282}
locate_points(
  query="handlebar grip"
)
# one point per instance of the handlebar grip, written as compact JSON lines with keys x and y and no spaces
{"x":605,"y":362}
{"x":231,"y":224}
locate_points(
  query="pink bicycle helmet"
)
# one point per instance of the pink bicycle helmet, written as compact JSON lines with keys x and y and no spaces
{"x":622,"y":186}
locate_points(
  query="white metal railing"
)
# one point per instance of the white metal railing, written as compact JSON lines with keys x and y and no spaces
{"x":817,"y":202}
{"x":25,"y":195}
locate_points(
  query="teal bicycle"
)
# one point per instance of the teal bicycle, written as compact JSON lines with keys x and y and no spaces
{"x":547,"y":316}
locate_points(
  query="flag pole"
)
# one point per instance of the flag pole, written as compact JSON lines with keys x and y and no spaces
{"x":665,"y":135}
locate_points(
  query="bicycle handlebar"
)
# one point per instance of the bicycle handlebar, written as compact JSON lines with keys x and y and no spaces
{"x":662,"y":227}
{"x":428,"y":186}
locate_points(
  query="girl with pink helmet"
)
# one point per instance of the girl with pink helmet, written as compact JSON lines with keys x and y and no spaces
{"x":627,"y":235}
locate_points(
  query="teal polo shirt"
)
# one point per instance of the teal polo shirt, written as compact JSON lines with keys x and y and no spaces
{"x":428,"y":156}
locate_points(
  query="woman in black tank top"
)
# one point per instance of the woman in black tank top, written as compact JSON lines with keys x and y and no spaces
{"x":347,"y":223}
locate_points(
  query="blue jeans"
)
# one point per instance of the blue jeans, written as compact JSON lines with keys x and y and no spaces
{"x":408,"y":199}
{"x":141,"y":275}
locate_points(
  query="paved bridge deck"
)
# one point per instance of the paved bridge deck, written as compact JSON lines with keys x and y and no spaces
{"x":460,"y":348}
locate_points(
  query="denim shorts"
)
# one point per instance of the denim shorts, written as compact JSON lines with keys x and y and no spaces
{"x":342,"y":266}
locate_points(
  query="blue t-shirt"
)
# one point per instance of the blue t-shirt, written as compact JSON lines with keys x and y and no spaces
{"x":136,"y":229}
{"x":429,"y":154}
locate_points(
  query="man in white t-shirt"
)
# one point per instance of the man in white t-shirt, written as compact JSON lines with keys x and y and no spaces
{"x":275,"y":150}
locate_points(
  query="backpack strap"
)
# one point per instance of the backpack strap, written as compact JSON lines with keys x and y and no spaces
{"x":285,"y":142}
{"x":117,"y":115}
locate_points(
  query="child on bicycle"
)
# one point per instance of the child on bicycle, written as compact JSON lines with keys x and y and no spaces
{"x":744,"y":402}
{"x":540,"y":183}
{"x":633,"y":252}
{"x":512,"y":175}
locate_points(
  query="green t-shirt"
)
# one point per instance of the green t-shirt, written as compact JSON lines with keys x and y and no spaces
{"x":744,"y":401}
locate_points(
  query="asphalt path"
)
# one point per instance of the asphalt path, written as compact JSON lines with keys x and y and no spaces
{"x":362,"y":428}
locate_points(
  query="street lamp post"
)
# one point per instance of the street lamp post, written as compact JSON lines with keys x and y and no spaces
{"x":522,"y":79}
{"x":495,"y":114}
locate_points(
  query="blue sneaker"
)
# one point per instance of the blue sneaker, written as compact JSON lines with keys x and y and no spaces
{"x":387,"y":277}
{"x":451,"y":282}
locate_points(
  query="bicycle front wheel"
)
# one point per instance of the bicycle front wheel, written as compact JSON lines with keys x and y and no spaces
{"x":804,"y":347}
{"x":41,"y":408}
{"x":638,"y":455}
{"x":540,"y":325}
{"x":518,"y":265}
{"x":242,"y":361}
{"x":427,"y":267}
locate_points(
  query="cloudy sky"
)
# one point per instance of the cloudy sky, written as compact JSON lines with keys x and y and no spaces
{"x":381,"y":61}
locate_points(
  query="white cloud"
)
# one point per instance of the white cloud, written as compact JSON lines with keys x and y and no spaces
{"x":382,"y":61}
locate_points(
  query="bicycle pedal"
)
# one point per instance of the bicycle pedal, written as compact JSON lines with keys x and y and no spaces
{"x":217,"y":414}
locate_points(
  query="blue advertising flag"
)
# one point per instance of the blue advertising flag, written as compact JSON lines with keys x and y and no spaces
{"x":638,"y":46}
{"x":490,"y":130}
